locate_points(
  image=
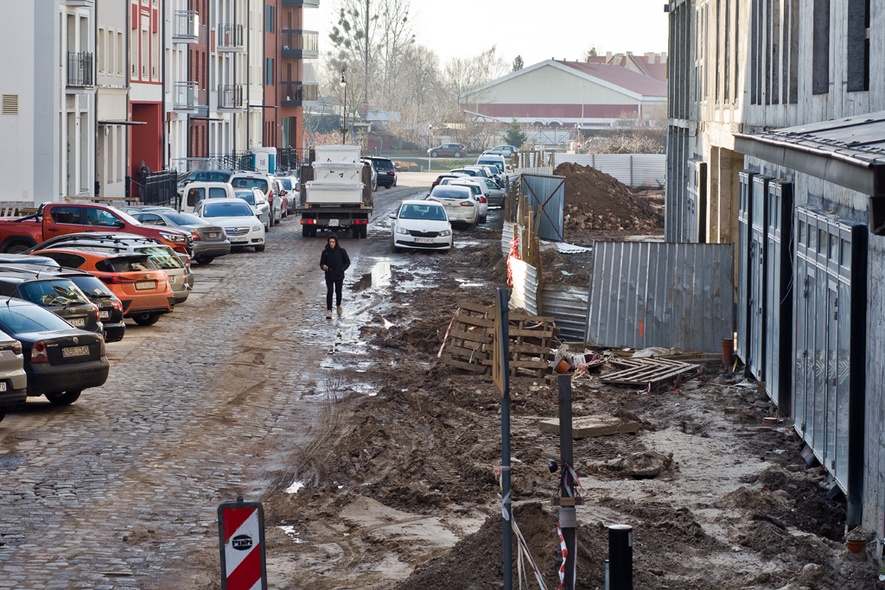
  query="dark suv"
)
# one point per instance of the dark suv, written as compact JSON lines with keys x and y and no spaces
{"x":57,"y":294}
{"x":386,"y":171}
{"x":448,"y":149}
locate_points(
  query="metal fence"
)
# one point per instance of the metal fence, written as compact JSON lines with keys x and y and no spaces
{"x":160,"y":188}
{"x":630,"y":169}
{"x":656,"y":294}
{"x":546,"y":196}
{"x":525,"y":286}
{"x":568,"y":305}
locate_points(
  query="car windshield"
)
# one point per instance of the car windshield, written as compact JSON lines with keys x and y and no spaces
{"x":383,"y":164}
{"x":247,"y":196}
{"x":231,"y":209}
{"x":21,"y":319}
{"x":185,"y":219}
{"x":449,"y":193}
{"x":91,"y":286}
{"x":467,"y":172}
{"x":496,"y":164}
{"x":473,"y":188}
{"x":433,"y":212}
{"x":124,"y":216}
{"x":286,"y":182}
{"x":57,"y":293}
{"x":245,"y":182}
{"x":163,"y":256}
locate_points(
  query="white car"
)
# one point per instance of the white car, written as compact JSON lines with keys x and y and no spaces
{"x":421,"y":225}
{"x":258,"y":202}
{"x":237,"y":218}
{"x":460,"y":204}
{"x":480,"y":192}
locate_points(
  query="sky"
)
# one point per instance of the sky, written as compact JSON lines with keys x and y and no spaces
{"x":535,"y":29}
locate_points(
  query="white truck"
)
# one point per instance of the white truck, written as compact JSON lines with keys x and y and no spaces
{"x":336,"y":198}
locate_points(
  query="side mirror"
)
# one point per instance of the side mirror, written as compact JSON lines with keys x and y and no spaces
{"x":120,"y":224}
{"x":393,"y":215}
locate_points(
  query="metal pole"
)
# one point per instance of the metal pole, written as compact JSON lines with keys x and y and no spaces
{"x":504,"y":320}
{"x":567,"y":515}
{"x":619,"y":574}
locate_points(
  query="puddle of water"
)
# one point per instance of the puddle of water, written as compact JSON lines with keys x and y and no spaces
{"x":290,"y":532}
{"x":379,"y":276}
{"x":296,"y":485}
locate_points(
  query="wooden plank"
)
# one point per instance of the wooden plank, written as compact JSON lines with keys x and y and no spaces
{"x":524,"y":364}
{"x":516,"y":332}
{"x":473,"y":336}
{"x":590,"y":426}
{"x":448,"y":360}
{"x":476,"y":321}
{"x":486,"y":309}
{"x":467,"y":353}
{"x":530,"y":349}
{"x":515,"y":317}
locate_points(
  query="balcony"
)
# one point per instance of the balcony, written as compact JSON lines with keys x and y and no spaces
{"x":299,"y":44}
{"x":295,"y":94}
{"x":230,"y":97}
{"x":81,"y":71}
{"x":186,"y":96}
{"x":229,"y":39}
{"x":186,"y":26}
{"x":303,"y":3}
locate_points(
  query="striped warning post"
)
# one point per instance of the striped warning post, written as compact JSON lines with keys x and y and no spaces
{"x":241,"y":539}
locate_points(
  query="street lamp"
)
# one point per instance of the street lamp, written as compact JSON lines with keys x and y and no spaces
{"x":430,"y":146}
{"x":343,"y":84}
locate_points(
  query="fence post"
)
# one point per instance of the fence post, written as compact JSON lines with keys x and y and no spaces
{"x":631,"y":171}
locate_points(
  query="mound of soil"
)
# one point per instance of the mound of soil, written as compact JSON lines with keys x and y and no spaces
{"x":595,"y":200}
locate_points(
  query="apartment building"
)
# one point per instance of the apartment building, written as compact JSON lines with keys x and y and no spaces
{"x":776,"y":143}
{"x":111,"y":100}
{"x":145,"y":86}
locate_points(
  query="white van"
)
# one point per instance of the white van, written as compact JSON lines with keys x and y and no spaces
{"x":198,"y":191}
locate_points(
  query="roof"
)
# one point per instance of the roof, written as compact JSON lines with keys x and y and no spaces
{"x":620,"y":76}
{"x":652,"y":65}
{"x":849,"y":152}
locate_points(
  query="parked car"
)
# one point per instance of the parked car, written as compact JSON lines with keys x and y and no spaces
{"x":279,"y":203}
{"x":492,"y":172}
{"x":177,"y":268}
{"x":497,"y":160}
{"x":27,"y":259}
{"x":495,"y":195}
{"x":502,"y":150}
{"x":420,"y":225}
{"x":466,"y":171}
{"x":385,"y":169}
{"x":440,"y":178}
{"x":142,"y":288}
{"x":13,"y":379}
{"x":197,"y":191}
{"x":291,"y":186}
{"x":110,"y":308}
{"x":237,"y":219}
{"x":373,"y":173}
{"x":202,"y":176}
{"x":262,"y":182}
{"x":60,"y":361}
{"x":460,"y":205}
{"x":259,"y":204}
{"x":480,"y":191}
{"x":210,"y":241}
{"x":448,"y":150}
{"x":59,"y":295}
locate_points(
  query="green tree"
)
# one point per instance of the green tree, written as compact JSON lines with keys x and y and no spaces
{"x":515,"y":136}
{"x":518,"y":64}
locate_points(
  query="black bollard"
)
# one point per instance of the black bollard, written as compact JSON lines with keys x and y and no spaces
{"x":619,"y":568}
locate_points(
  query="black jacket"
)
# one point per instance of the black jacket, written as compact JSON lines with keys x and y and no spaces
{"x":337,"y":260}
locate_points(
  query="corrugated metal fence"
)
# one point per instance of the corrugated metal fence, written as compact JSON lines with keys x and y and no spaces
{"x":630,"y":169}
{"x":568,"y":305}
{"x":525,"y":286}
{"x":653,"y":294}
{"x":546,"y":196}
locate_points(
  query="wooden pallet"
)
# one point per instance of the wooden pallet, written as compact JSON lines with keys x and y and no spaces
{"x":469,"y":345}
{"x":643,"y":371}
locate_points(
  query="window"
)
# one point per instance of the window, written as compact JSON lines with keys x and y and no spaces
{"x":858,"y":40}
{"x":268,"y":71}
{"x":268,"y":19}
{"x":65,"y":214}
{"x":194,"y":196}
{"x":820,"y":55}
{"x":101,"y":218}
{"x":150,"y":219}
{"x":65,"y":259}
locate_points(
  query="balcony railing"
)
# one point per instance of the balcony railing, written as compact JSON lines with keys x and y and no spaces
{"x":297,"y":43}
{"x":230,"y":38}
{"x":186,"y":26}
{"x":296,"y":94}
{"x":304,"y":3}
{"x":230,"y":97}
{"x":81,"y":72}
{"x":186,"y":96}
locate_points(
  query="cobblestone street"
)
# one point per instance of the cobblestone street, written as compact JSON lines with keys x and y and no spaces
{"x":218,"y":399}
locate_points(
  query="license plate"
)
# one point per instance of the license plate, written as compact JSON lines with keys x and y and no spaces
{"x":2,"y":385}
{"x":77,"y":322}
{"x":212,"y":234}
{"x":103,"y":315}
{"x":333,"y":222}
{"x":75,"y":351}
{"x":146,"y":285}
{"x":424,"y":240}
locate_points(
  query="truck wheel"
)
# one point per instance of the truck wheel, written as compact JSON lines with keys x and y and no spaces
{"x":355,"y":232}
{"x":305,"y":231}
{"x":63,"y":399}
{"x":363,"y":231}
{"x":313,"y":232}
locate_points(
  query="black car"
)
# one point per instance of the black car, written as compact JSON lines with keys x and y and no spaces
{"x":385,"y":169}
{"x":60,"y":361}
{"x":56,"y":294}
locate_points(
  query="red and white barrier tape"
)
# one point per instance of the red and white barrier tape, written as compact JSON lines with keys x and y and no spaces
{"x":449,"y":329}
{"x":564,"y":551}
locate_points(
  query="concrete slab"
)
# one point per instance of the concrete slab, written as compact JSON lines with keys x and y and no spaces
{"x":590,"y":426}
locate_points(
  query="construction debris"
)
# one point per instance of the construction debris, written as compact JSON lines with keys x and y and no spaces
{"x":590,"y":426}
{"x":648,"y":372}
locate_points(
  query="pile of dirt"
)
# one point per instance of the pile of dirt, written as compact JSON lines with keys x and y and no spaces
{"x":595,"y":200}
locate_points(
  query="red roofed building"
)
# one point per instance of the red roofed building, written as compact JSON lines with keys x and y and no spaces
{"x":557,"y":93}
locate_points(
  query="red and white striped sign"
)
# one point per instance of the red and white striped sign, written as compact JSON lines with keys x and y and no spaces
{"x":241,"y":527}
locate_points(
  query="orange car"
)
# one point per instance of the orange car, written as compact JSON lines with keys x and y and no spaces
{"x":142,"y":288}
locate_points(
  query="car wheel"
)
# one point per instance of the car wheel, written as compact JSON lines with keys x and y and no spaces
{"x":16,"y":248}
{"x":394,"y":249}
{"x":259,"y":248}
{"x":482,"y":219}
{"x":204,"y":259}
{"x":457,"y":154}
{"x":146,"y":319}
{"x":63,"y":399}
{"x":433,"y":154}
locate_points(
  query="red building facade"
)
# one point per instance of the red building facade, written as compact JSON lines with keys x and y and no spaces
{"x":146,"y":85}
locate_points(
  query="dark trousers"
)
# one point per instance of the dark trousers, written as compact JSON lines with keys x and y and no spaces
{"x":336,"y":284}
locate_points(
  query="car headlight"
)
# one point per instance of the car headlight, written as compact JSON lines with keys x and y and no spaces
{"x":445,"y":232}
{"x":173,"y":237}
{"x":257,"y":227}
{"x":401,"y":230}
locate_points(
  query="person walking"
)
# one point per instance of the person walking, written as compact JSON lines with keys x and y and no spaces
{"x":334,"y":261}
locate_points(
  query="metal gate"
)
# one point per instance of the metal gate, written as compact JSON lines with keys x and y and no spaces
{"x":778,"y":294}
{"x":756,"y":268}
{"x":830,"y":347}
{"x":743,"y":255}
{"x":546,"y":196}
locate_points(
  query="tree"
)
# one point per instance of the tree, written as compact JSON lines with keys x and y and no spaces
{"x":515,"y":136}
{"x":517,"y":64}
{"x":591,"y":52}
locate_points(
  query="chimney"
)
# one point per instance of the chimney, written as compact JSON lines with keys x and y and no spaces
{"x":608,"y":56}
{"x":663,"y":58}
{"x":650,"y":57}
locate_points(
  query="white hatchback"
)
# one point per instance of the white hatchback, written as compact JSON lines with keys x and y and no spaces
{"x":459,"y":202}
{"x":480,"y":191}
{"x":420,"y":225}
